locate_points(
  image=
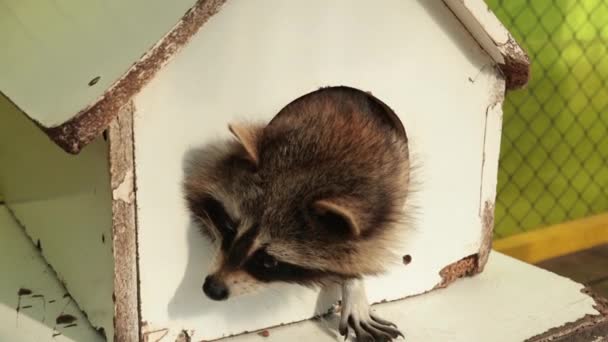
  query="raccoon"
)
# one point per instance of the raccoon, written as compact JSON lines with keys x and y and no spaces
{"x":313,"y":197}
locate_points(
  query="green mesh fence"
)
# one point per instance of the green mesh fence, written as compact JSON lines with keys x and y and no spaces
{"x":554,"y":152}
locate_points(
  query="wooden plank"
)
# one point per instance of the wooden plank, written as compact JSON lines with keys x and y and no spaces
{"x":560,"y":239}
{"x":32,"y":315}
{"x":124,"y":231}
{"x":495,"y":305}
{"x":61,"y":56}
{"x":585,"y":267}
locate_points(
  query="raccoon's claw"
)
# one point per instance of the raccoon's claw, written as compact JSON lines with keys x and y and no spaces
{"x":356,"y":314}
{"x":379,"y":320}
{"x":369,"y":330}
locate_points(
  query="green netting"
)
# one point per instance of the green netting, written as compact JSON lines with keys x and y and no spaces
{"x":554,"y":152}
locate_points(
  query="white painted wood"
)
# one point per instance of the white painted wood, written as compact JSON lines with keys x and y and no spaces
{"x":494,"y":306}
{"x":51,"y":50}
{"x":255,"y":57}
{"x":22,"y":267}
{"x":483,"y":25}
{"x":65,"y":202}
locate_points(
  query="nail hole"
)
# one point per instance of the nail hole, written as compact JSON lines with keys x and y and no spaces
{"x":94,"y":81}
{"x":407,"y":259}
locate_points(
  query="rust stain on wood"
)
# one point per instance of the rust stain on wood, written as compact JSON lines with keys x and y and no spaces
{"x":464,"y":267}
{"x":517,"y":64}
{"x":74,"y":134}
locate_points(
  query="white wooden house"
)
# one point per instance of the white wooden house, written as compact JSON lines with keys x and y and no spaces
{"x":102,"y":100}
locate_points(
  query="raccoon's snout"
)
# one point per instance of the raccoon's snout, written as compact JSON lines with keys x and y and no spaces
{"x":215,"y":289}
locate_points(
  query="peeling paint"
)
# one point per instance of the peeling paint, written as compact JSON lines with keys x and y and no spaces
{"x":517,"y":64}
{"x":487,"y":226}
{"x":124,"y":191}
{"x":588,"y":328}
{"x":466,"y":266}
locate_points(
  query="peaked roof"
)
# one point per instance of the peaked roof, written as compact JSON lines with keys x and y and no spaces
{"x":74,"y":109}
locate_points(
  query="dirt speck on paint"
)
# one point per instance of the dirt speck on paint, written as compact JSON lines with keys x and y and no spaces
{"x":103,"y":238}
{"x":94,"y":81}
{"x":38,"y":245}
{"x":52,"y":301}
{"x":56,"y":334}
{"x":264,"y":333}
{"x":24,"y":292}
{"x":65,"y":319}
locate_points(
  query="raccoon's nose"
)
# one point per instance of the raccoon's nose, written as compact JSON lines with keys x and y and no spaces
{"x":215,"y":289}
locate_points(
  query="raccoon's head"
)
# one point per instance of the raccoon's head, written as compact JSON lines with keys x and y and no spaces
{"x":301,"y":211}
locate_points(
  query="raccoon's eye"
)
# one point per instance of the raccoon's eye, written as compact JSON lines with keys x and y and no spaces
{"x":265,"y":260}
{"x":269,"y":261}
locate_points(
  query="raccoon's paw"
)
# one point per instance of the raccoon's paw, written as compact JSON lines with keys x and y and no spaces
{"x":369,"y":329}
{"x":356,"y":314}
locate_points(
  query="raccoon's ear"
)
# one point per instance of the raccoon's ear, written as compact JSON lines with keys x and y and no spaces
{"x":339,"y":215}
{"x":249,"y":136}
